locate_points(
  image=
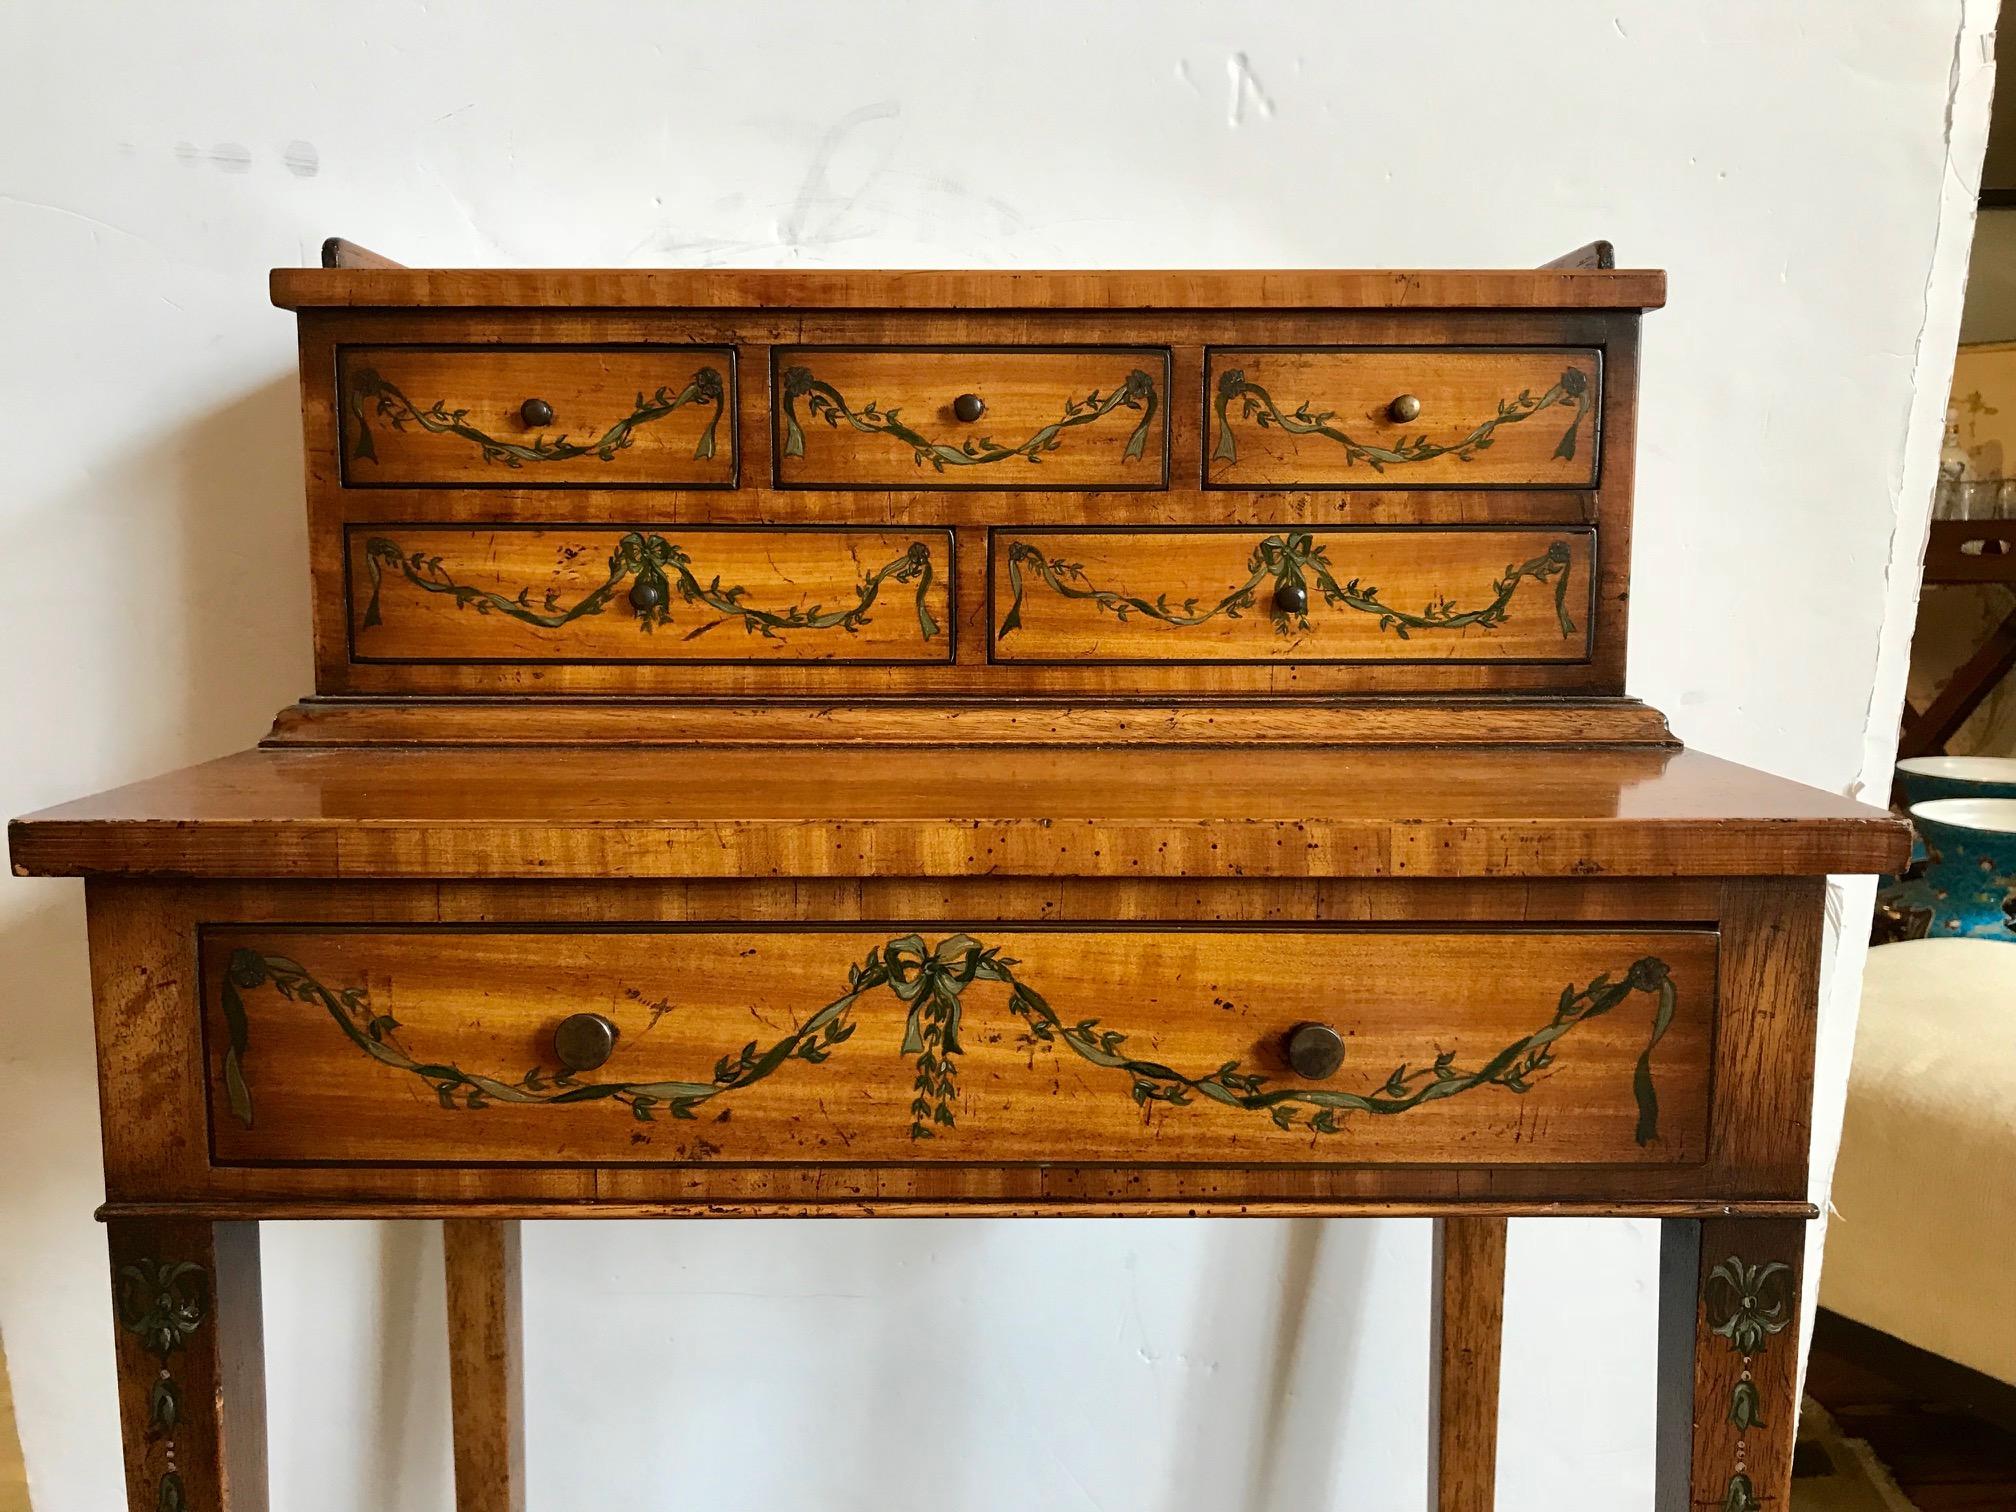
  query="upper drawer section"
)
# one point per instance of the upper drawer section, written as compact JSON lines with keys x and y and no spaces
{"x":1403,"y":417}
{"x":973,"y":417}
{"x":536,"y":417}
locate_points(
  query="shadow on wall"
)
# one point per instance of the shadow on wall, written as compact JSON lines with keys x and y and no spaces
{"x":181,"y":623}
{"x":243,"y":569}
{"x":1292,"y":1428}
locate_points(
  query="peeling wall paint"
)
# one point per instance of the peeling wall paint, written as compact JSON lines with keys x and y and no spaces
{"x":1804,"y":170}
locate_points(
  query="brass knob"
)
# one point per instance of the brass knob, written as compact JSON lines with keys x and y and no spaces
{"x":1291,"y":598}
{"x":535,"y":413}
{"x":584,"y":1041}
{"x":1315,"y":1050}
{"x":1403,"y":409}
{"x":647,"y":593}
{"x":969,"y":407}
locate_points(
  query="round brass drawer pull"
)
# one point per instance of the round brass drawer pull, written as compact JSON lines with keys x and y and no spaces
{"x":536,"y":412}
{"x":1405,"y":408}
{"x":1291,"y":598}
{"x":1315,"y":1050}
{"x":969,"y":407}
{"x":584,"y":1041}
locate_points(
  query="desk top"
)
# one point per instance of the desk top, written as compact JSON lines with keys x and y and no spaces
{"x":393,"y":287}
{"x":726,"y":811}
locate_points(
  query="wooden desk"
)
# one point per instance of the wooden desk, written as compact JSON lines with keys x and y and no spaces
{"x":1177,"y":868}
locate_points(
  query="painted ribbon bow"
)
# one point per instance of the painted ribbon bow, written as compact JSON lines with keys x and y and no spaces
{"x":930,"y":981}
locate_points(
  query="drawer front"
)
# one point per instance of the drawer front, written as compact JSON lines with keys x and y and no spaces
{"x":665,"y":593}
{"x":1403,"y":417}
{"x":537,"y":417}
{"x":853,"y":418}
{"x":1158,"y":1045}
{"x":1253,"y":595}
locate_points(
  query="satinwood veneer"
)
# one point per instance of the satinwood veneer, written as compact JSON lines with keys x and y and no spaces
{"x":968,"y":744}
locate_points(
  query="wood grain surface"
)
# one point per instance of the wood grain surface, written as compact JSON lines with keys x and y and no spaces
{"x":1217,"y":595}
{"x":966,"y":498}
{"x":1737,"y":1389}
{"x":191,"y":1363}
{"x":1052,"y":419}
{"x":1004,"y":892}
{"x":1324,"y":418}
{"x":910,"y":722}
{"x":1469,"y":1315}
{"x":486,"y":1362}
{"x":620,"y":415}
{"x":944,"y":1046}
{"x":999,"y":811}
{"x":155,"y":1081}
{"x":448,"y":593}
{"x":1004,"y":289}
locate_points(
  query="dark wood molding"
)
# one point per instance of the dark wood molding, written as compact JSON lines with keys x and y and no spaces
{"x":1593,"y":255}
{"x":338,"y":253}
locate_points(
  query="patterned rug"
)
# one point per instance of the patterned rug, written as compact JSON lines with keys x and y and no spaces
{"x":1831,"y":1473}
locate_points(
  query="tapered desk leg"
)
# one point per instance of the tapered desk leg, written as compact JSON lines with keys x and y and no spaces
{"x":1469,"y":1311}
{"x":1728,"y":1363}
{"x":192,"y":1372}
{"x":486,"y":1363}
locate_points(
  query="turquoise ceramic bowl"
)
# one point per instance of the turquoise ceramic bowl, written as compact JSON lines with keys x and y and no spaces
{"x":1968,"y":890}
{"x":1925,"y":779}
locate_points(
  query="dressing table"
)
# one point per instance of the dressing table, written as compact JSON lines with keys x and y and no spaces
{"x":925,"y":743}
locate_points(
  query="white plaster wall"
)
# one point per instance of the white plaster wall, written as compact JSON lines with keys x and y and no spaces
{"x":1805,"y":171}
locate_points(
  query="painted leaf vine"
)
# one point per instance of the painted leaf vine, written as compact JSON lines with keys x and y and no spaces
{"x":371,"y":395}
{"x":657,"y":570}
{"x":1259,"y":406}
{"x":163,"y":1303}
{"x":1747,"y":1304}
{"x":931,"y":982}
{"x":1294,"y":559}
{"x":824,"y":402}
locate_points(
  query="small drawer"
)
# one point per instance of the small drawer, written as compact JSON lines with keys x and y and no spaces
{"x":972,"y":418}
{"x":1246,"y":594}
{"x":1156,"y":1045}
{"x":648,"y":593}
{"x":1401,"y":417}
{"x":537,"y":417}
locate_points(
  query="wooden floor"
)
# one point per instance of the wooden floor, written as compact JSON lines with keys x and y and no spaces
{"x":1943,"y":1459}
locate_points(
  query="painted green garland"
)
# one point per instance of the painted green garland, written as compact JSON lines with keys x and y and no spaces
{"x":660,"y":568}
{"x":1257,"y":405}
{"x":370,"y":393}
{"x":163,"y":1303}
{"x":932,"y":981}
{"x":1746,"y":1304}
{"x":825,"y":402}
{"x":1293,"y":560}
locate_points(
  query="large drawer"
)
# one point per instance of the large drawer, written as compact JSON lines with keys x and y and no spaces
{"x":1247,"y":594}
{"x":1403,"y":417}
{"x":972,"y":417}
{"x":647,"y":593}
{"x":1162,"y":1045}
{"x":536,"y":417}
